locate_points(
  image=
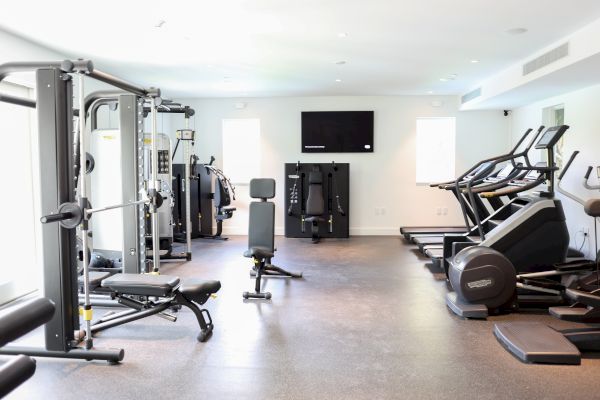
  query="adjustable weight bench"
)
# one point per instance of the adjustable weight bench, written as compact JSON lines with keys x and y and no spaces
{"x":261,"y":236}
{"x":147,"y":295}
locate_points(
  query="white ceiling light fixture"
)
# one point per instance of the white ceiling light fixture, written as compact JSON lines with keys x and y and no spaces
{"x":474,"y":61}
{"x":515,"y":31}
{"x":430,"y":92}
{"x":443,"y":79}
{"x":338,"y":80}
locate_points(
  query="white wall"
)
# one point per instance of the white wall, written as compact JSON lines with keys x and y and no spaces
{"x":383,"y":179}
{"x":581,"y":114}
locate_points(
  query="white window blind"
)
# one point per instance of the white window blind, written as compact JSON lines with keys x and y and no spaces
{"x":435,"y":153}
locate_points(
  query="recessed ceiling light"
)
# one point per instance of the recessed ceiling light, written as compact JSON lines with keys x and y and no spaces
{"x":160,"y":23}
{"x":430,"y":92}
{"x":516,"y":31}
{"x":474,"y":61}
{"x":342,"y":35}
{"x":340,"y":62}
{"x":443,"y":79}
{"x":338,"y":80}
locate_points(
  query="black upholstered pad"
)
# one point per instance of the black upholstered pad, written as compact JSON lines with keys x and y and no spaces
{"x":95,"y":278}
{"x":258,"y":252}
{"x":262,"y":188}
{"x":592,"y":207}
{"x":228,"y":208}
{"x":199,"y":287}
{"x":141,"y":284}
{"x":311,"y":219}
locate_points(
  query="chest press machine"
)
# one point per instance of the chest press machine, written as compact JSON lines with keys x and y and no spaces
{"x":144,"y":295}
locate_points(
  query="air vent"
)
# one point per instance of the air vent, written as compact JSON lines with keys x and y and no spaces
{"x":546,"y":59}
{"x":470,"y":96}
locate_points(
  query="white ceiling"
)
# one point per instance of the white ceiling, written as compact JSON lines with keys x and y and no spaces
{"x":231,"y":48}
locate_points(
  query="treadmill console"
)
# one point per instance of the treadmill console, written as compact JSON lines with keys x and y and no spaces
{"x":551,"y":137}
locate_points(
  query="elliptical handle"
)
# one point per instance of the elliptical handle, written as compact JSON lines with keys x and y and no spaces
{"x":568,"y":165}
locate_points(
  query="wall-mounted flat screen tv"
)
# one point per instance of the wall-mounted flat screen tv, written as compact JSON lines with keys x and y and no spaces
{"x":337,"y":131}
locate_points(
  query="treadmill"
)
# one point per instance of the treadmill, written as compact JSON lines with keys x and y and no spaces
{"x":480,"y":170}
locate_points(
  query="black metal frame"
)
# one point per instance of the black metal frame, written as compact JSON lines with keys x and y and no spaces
{"x":55,"y":118}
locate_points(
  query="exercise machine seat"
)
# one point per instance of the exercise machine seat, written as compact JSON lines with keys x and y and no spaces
{"x":222,"y":200}
{"x":592,"y":207}
{"x":199,"y":290}
{"x":261,"y":227}
{"x":259,"y":252}
{"x":95,"y":279}
{"x":142,"y":284}
{"x":315,"y":203}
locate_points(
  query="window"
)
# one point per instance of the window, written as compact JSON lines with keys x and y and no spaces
{"x":554,"y":116}
{"x":241,"y":149}
{"x":435,"y":149}
{"x":19,"y":238}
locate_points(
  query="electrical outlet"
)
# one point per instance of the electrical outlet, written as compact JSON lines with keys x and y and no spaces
{"x":383,"y":210}
{"x":445,"y":211}
{"x":438,"y":211}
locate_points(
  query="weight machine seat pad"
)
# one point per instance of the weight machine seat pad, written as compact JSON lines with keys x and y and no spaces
{"x":592,"y":207}
{"x":142,"y":284}
{"x":258,"y":252}
{"x":199,"y":290}
{"x":262,"y":188}
{"x":95,"y":278}
{"x":314,"y":219}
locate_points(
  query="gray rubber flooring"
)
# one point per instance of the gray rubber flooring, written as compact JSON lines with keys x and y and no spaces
{"x":368,"y":321}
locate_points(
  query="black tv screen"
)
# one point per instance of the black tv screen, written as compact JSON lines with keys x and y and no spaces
{"x":337,"y":132}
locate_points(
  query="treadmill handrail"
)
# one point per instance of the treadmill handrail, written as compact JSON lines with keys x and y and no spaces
{"x":514,"y":189}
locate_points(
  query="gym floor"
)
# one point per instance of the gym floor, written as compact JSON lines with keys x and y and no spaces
{"x":368,"y":321}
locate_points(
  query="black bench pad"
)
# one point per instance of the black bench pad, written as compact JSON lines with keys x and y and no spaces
{"x":95,"y":278}
{"x":314,"y":219}
{"x":142,"y":284}
{"x":199,"y":290}
{"x":258,"y":252}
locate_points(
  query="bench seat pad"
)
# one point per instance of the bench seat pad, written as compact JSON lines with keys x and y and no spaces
{"x":95,"y":279}
{"x":142,"y":284}
{"x":258,"y":252}
{"x":198,"y":290}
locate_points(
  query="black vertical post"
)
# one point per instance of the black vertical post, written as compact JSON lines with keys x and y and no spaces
{"x":55,"y":127}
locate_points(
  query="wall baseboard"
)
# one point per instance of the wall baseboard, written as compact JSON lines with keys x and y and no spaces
{"x":354,"y":231}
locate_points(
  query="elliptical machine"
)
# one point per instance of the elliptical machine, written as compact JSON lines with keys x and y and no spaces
{"x":521,"y":253}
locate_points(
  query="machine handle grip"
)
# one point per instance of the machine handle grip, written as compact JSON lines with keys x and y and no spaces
{"x":589,"y":171}
{"x":566,"y":167}
{"x":46,"y":219}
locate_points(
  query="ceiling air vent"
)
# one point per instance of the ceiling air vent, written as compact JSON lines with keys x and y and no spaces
{"x":546,"y":59}
{"x":473,"y":94}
